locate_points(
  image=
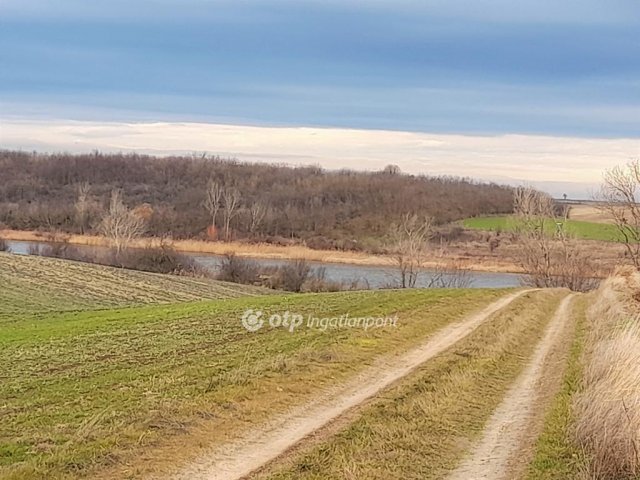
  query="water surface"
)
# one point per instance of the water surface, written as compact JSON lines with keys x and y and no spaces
{"x":366,"y":275}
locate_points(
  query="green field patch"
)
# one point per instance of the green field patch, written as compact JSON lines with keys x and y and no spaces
{"x":584,"y":230}
{"x":85,"y":391}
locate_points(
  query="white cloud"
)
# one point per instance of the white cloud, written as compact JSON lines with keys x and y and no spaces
{"x":508,"y":158}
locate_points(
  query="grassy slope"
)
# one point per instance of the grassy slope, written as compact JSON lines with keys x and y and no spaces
{"x":89,"y":392}
{"x":35,"y":284}
{"x":556,"y":457}
{"x":585,"y":230}
{"x":422,"y":427}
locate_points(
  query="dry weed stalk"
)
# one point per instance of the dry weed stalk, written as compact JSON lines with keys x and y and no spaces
{"x":608,"y":408}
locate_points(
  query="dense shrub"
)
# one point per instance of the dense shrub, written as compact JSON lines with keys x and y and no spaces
{"x":448,"y":234}
{"x":4,"y":245}
{"x":238,"y":270}
{"x":162,"y":259}
{"x":296,"y":276}
{"x":293,"y":275}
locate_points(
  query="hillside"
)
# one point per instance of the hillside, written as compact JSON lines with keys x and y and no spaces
{"x":327,"y":209}
{"x":37,"y":284}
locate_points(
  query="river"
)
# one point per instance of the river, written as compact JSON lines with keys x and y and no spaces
{"x":373,"y":276}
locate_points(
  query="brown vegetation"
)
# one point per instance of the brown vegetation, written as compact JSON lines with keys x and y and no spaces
{"x":120,"y":224}
{"x":339,"y":210}
{"x":608,"y":407}
{"x":549,"y":256}
{"x":410,"y":238}
{"x":294,"y":276}
{"x":589,"y":213}
{"x":413,"y":245}
{"x":618,"y":200}
{"x":161,"y":258}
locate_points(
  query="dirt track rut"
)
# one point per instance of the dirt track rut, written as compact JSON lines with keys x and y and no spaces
{"x":258,"y":447}
{"x":506,"y":434}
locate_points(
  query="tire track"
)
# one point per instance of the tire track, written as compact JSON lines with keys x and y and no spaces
{"x":258,"y":447}
{"x":508,"y":430}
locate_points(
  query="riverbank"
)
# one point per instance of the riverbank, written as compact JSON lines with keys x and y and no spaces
{"x":463,"y":257}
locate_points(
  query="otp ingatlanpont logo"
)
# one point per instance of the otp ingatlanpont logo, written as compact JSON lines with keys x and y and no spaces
{"x":252,"y":320}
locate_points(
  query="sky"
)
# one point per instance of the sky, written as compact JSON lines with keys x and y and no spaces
{"x":496,"y":79}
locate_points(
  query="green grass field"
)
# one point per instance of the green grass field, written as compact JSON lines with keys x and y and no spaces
{"x":584,"y":230}
{"x":107,"y":372}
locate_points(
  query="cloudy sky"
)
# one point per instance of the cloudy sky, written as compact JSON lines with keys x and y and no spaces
{"x":542,"y":90}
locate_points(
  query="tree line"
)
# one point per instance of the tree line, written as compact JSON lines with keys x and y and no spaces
{"x":201,"y":196}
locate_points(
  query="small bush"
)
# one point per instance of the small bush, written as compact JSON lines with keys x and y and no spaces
{"x":320,"y":243}
{"x":281,"y":241}
{"x":162,"y":259}
{"x":238,"y":270}
{"x":294,"y":275}
{"x":34,"y":249}
{"x":317,"y":282}
{"x":4,"y":245}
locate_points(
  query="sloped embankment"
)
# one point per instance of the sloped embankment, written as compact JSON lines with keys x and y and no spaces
{"x":607,"y":410}
{"x":38,"y":284}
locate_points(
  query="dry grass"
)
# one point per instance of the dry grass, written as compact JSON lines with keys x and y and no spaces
{"x":30,"y":284}
{"x":589,"y":213}
{"x":608,"y":409}
{"x":262,"y":250}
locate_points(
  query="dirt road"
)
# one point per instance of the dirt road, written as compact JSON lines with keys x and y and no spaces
{"x":258,"y":447}
{"x":507,"y":433}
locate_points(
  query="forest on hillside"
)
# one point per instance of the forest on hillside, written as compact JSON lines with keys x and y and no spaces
{"x":183,"y":196}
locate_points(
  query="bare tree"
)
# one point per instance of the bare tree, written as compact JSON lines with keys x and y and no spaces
{"x":257,"y":212}
{"x":547,"y":253}
{"x":410,"y":238}
{"x":310,"y":203}
{"x":120,"y":224}
{"x":617,"y":198}
{"x":534,"y":222}
{"x":213,"y":199}
{"x":231,"y":197}
{"x":82,"y":206}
